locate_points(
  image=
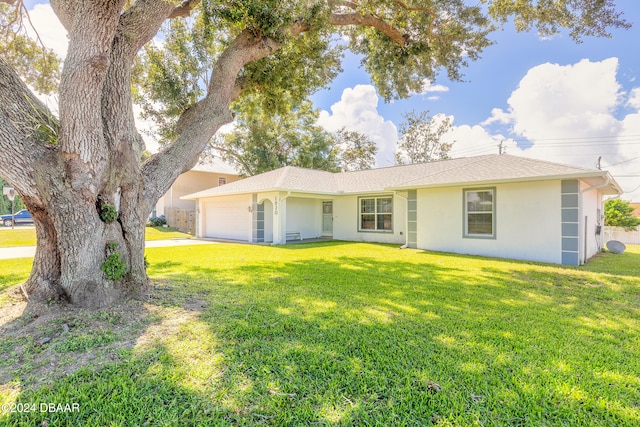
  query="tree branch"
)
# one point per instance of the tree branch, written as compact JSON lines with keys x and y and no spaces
{"x":65,"y":11}
{"x":198,"y":124}
{"x":80,"y":93}
{"x":184,"y":10}
{"x":21,"y":154}
{"x":369,"y":21}
{"x":414,"y":8}
{"x":137,"y":26}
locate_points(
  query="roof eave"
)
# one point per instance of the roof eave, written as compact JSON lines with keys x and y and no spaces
{"x":502,"y":181}
{"x":203,"y":195}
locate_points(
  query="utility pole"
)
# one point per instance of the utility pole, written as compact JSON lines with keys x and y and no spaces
{"x":501,"y":148}
{"x":12,"y":197}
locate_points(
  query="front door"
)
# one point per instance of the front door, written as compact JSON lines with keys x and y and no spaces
{"x":327,"y":218}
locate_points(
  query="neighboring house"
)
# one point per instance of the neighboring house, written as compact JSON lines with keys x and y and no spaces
{"x":493,"y":205}
{"x":208,"y":174}
{"x":636,"y":209}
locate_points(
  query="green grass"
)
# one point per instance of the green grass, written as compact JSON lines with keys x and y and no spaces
{"x":346,"y":334}
{"x":27,"y":236}
{"x":17,"y":237}
{"x":165,"y":233}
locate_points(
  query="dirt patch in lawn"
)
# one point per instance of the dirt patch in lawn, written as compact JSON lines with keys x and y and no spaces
{"x":42,"y":343}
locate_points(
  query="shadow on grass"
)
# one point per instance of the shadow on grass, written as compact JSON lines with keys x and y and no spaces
{"x":391,"y":338}
{"x":140,"y":390}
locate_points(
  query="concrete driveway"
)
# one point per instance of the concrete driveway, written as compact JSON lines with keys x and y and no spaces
{"x":30,"y":251}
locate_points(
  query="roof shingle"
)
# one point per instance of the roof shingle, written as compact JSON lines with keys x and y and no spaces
{"x":480,"y":169}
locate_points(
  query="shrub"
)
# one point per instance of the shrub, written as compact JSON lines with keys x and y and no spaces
{"x":619,"y":213}
{"x":114,"y":266}
{"x":108,"y":213}
{"x":157,"y":221}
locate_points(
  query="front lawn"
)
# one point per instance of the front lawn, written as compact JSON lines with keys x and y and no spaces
{"x":337,"y":334}
{"x":27,"y":236}
{"x":164,"y":233}
{"x":19,"y":236}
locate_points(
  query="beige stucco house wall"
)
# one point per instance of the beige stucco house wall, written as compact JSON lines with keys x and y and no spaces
{"x":200,"y":177}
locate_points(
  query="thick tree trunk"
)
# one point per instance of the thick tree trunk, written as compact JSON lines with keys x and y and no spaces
{"x":73,"y":245}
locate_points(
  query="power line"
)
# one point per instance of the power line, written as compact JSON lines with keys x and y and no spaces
{"x":631,"y":191}
{"x":580,"y":138}
{"x":625,"y":161}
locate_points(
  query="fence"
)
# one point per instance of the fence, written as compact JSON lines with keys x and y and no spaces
{"x":184,"y":221}
{"x":618,"y":233}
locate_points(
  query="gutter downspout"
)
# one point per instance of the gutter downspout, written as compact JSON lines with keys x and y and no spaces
{"x":406,"y":219}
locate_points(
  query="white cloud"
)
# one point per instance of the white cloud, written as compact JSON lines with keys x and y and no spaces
{"x":49,"y":28}
{"x":471,"y":141}
{"x":568,"y":113}
{"x":634,"y":98}
{"x":357,"y":110}
{"x":498,"y":115}
{"x":428,"y":87}
{"x":554,"y":101}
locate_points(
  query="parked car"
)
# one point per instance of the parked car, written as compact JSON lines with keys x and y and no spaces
{"x":20,"y":217}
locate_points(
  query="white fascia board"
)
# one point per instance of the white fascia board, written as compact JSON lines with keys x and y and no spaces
{"x":205,"y":195}
{"x":500,"y":181}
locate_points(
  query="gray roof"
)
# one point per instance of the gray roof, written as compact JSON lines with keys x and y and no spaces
{"x":486,"y":169}
{"x":214,"y":165}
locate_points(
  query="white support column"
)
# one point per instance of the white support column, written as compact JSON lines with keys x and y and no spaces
{"x":200,"y":230}
{"x":279,"y":220}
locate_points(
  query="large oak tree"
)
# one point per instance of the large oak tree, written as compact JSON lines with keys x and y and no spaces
{"x":80,"y":174}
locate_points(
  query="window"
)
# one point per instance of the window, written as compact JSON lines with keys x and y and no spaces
{"x":222,"y":180}
{"x":479,"y":213}
{"x":376,"y":214}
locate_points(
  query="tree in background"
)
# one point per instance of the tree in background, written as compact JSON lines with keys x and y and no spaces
{"x":5,"y":203}
{"x":80,"y":174}
{"x":421,"y":138}
{"x":356,"y":150}
{"x":40,"y":68}
{"x":262,"y":142}
{"x":619,"y":213}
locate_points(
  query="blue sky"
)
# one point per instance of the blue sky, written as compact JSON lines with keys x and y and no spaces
{"x":550,"y":99}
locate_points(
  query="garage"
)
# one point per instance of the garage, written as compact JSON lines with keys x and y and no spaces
{"x":228,"y":217}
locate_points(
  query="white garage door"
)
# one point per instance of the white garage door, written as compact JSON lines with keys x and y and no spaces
{"x":228,"y":218}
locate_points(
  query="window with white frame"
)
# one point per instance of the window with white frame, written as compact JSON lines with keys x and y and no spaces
{"x":375,"y":214}
{"x":480,"y":213}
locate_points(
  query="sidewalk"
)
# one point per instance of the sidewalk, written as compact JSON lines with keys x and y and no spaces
{"x":30,"y":251}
